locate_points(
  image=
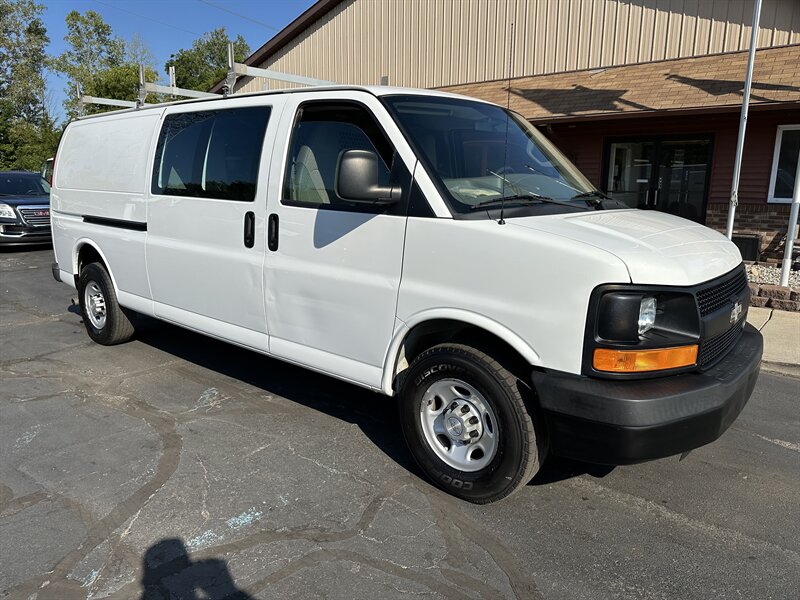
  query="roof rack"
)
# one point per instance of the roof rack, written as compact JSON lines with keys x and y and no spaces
{"x":144,"y":88}
{"x":235,"y":70}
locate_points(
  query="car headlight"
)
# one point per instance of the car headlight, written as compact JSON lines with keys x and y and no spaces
{"x":641,"y":330}
{"x":6,"y":212}
{"x":647,"y":314}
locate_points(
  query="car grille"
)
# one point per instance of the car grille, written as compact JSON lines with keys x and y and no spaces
{"x":715,"y":347}
{"x":31,"y":217}
{"x":720,"y":292}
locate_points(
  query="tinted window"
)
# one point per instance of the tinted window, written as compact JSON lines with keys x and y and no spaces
{"x":23,"y":184}
{"x":322,"y":132}
{"x":787,"y":163}
{"x":211,"y":154}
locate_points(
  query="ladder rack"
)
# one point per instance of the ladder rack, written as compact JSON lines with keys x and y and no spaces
{"x":235,"y":70}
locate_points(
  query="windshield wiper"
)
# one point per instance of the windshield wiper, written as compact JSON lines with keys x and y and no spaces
{"x":600,"y":200}
{"x":524,"y":198}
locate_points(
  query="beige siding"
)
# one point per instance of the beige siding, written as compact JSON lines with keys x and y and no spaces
{"x":432,"y":43}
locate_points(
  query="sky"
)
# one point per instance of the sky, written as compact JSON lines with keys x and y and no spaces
{"x":166,"y":26}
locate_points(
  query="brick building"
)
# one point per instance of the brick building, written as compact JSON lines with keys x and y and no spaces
{"x":643,"y":95}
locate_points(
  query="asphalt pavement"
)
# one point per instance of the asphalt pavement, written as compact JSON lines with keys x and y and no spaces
{"x":180,"y":466}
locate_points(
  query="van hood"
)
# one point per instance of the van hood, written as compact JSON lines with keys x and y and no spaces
{"x":657,"y":248}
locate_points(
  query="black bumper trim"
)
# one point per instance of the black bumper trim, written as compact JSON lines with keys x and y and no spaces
{"x":623,"y":422}
{"x":56,"y":272}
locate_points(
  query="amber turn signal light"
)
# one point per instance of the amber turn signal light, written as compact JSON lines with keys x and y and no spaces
{"x":637,"y":361}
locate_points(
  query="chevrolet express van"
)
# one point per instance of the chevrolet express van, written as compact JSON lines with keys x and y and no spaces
{"x":424,"y":245}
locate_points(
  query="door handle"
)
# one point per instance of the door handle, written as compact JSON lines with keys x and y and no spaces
{"x":647,"y":198}
{"x":272,"y":232}
{"x":249,"y":229}
{"x":655,"y":198}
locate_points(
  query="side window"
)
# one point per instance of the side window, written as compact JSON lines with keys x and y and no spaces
{"x":322,"y":132}
{"x":211,"y":154}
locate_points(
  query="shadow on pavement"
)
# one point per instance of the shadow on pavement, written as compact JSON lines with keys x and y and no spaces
{"x":169,"y":572}
{"x":21,"y":248}
{"x":374,"y":414}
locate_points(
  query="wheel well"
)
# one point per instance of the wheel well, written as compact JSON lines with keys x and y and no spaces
{"x":86,"y":255}
{"x":438,"y":331}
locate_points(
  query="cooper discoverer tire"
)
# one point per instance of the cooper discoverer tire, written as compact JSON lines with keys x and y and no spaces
{"x":465,"y":420}
{"x":106,"y":322}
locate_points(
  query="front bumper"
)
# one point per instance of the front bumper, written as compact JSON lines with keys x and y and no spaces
{"x":19,"y":233}
{"x":624,"y":422}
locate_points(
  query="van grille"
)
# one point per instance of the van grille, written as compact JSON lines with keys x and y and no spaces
{"x":720,"y":292}
{"x":35,"y":215}
{"x":715,"y":347}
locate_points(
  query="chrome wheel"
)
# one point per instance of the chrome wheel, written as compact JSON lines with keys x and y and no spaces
{"x":459,"y":425}
{"x":95,"y":305}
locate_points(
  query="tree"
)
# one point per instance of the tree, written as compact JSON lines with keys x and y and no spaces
{"x":138,"y":53}
{"x":206,"y":62}
{"x":120,"y":83}
{"x":23,"y":39}
{"x":33,"y":143}
{"x":92,"y":48}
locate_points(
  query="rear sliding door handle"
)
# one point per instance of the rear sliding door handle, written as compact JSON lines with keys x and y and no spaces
{"x":249,"y":229}
{"x":272,"y":232}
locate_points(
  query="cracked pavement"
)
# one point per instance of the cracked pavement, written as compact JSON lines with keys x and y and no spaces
{"x":180,"y":466}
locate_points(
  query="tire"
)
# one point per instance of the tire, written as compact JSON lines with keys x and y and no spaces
{"x":106,"y":322}
{"x":488,"y":459}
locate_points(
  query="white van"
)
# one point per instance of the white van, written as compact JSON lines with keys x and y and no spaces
{"x":424,"y":245}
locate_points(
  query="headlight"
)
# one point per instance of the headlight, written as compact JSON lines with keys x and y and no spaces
{"x":6,"y":212}
{"x":647,"y":314}
{"x":634,"y":330}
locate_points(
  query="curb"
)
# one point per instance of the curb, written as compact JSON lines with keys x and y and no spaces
{"x":786,"y":369}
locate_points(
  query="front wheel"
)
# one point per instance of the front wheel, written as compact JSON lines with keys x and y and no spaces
{"x":466,"y":422}
{"x":106,"y":322}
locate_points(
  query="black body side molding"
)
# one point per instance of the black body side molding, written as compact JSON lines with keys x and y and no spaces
{"x":118,"y":223}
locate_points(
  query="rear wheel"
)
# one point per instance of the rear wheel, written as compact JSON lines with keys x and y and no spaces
{"x":465,"y":418}
{"x":106,"y":321}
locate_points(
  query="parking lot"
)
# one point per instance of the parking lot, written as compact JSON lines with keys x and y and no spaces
{"x":180,"y":466}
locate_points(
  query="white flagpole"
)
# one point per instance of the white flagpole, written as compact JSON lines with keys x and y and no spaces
{"x":787,"y":251}
{"x":737,"y":165}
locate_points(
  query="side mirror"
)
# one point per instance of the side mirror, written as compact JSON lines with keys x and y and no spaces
{"x":357,"y":179}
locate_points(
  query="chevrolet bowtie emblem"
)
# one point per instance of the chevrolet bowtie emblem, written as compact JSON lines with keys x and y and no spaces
{"x":736,"y":312}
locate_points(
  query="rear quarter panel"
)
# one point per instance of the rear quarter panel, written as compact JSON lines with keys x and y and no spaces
{"x":102,"y":169}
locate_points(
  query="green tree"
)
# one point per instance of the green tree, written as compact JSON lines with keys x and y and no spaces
{"x":33,"y":143}
{"x":23,"y":39}
{"x":206,"y":62}
{"x":92,"y":48}
{"x":120,"y":83}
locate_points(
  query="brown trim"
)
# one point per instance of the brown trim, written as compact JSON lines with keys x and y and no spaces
{"x":286,"y":35}
{"x":630,"y":114}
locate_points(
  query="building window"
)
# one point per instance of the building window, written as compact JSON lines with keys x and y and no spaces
{"x":784,"y":163}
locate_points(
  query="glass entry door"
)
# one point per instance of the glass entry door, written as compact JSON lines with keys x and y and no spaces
{"x":664,"y":174}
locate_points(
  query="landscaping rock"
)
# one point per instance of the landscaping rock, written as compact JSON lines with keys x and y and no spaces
{"x":760,"y":301}
{"x":790,"y":305}
{"x":775,"y":291}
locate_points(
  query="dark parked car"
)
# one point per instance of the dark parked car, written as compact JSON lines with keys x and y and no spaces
{"x":24,"y":208}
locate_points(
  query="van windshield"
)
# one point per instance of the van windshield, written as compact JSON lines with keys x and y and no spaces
{"x":483,"y":154}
